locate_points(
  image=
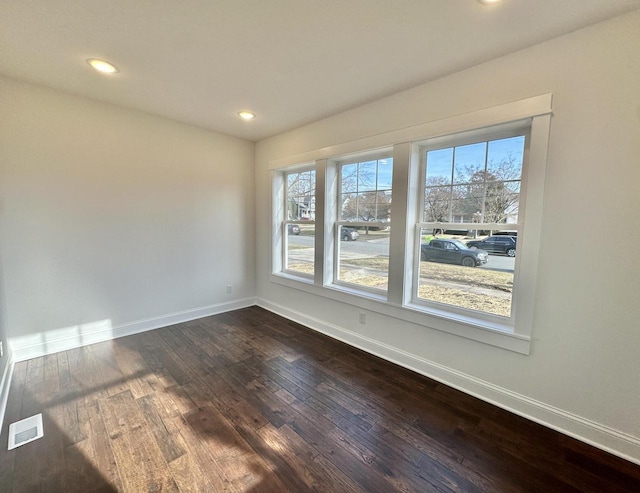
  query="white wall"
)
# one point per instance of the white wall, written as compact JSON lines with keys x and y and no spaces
{"x":5,"y":360}
{"x":113,"y":220}
{"x":3,"y":318}
{"x":582,"y":374}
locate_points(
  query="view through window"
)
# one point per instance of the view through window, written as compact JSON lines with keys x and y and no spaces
{"x":364,"y":227}
{"x":300,"y":206}
{"x":457,"y":257}
{"x":470,"y":223}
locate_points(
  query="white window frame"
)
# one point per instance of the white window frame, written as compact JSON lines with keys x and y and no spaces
{"x":283,"y":221}
{"x":456,"y":140}
{"x":339,"y":163}
{"x":514,"y":335}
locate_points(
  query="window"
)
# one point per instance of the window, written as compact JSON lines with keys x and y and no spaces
{"x":448,"y":249}
{"x":364,"y":222}
{"x":299,"y":224}
{"x":470,"y":202}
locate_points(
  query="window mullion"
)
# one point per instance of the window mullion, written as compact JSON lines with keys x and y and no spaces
{"x":451,"y":186}
{"x":484,"y":184}
{"x":398,"y":240}
{"x":323,"y":239}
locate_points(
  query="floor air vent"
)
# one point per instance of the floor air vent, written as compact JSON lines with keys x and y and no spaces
{"x":25,"y":431}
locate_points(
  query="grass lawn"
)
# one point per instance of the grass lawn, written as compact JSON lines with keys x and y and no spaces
{"x":304,"y":267}
{"x":466,"y":287}
{"x":483,"y":278}
{"x":297,"y":247}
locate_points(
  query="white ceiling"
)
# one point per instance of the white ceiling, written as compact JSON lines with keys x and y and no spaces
{"x":290,"y":61}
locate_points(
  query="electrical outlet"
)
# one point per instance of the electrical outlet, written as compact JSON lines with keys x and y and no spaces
{"x":229,"y":289}
{"x":363,"y":318}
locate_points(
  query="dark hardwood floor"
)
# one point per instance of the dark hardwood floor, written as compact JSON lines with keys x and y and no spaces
{"x":251,"y":402}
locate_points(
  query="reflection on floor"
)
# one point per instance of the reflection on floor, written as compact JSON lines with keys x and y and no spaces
{"x":250,"y":402}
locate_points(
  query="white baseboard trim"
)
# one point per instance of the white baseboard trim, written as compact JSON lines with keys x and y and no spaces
{"x":5,"y":383}
{"x":618,"y":443}
{"x":53,"y":341}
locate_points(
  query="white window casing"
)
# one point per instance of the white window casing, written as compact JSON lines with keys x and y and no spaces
{"x":532,"y":116}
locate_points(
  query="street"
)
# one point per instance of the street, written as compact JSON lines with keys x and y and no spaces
{"x":378,"y":247}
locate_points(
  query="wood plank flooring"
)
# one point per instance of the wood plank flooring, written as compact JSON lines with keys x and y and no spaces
{"x":250,"y":402}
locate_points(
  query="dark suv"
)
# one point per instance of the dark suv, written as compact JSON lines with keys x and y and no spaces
{"x":452,"y":252}
{"x":496,"y":244}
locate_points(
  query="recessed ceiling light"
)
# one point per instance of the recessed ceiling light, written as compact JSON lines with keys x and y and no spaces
{"x":102,"y":66}
{"x":246,"y":115}
{"x":488,"y":2}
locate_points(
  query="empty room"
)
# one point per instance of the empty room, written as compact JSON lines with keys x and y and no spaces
{"x":342,"y":246}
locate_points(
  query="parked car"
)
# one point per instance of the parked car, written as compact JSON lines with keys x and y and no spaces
{"x":293,"y":229}
{"x":348,"y":234}
{"x":496,"y":244}
{"x":452,"y":252}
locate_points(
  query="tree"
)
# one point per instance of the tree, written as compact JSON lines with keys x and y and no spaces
{"x":373,"y":204}
{"x":368,"y":206}
{"x":494,"y":191}
{"x":437,"y":200}
{"x":500,"y":202}
{"x":301,"y":189}
{"x":478,"y":194}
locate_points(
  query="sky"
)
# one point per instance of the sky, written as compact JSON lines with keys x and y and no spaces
{"x":441,"y":162}
{"x":371,"y":175}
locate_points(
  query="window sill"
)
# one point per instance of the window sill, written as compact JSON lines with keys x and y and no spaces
{"x":292,"y":276}
{"x":494,"y":334}
{"x":351,"y":289}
